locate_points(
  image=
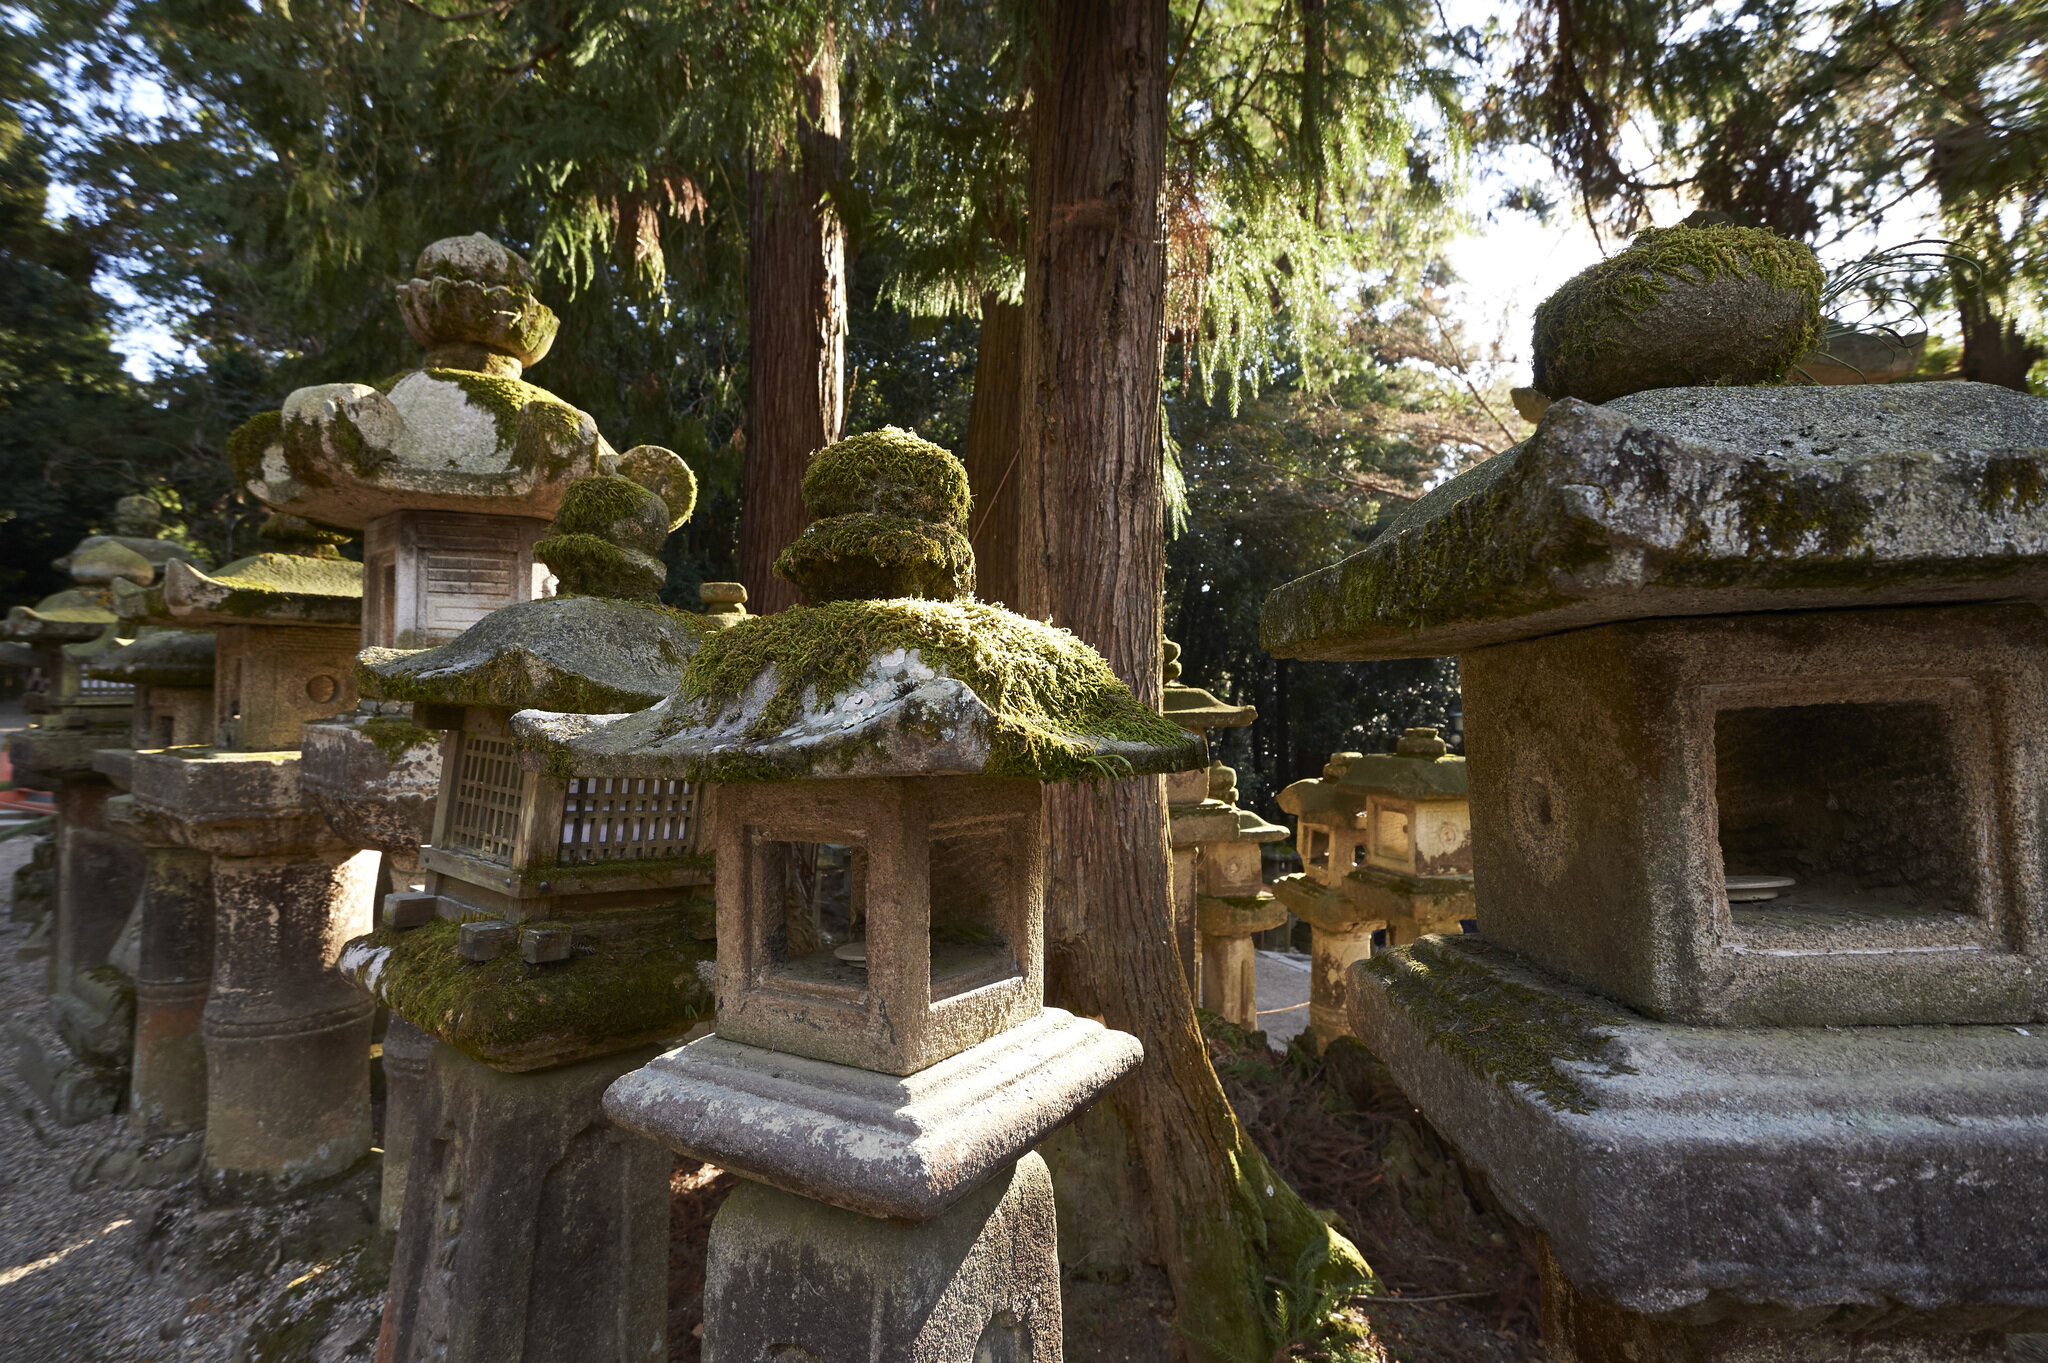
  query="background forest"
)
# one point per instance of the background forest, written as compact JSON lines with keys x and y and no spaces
{"x":250,"y":181}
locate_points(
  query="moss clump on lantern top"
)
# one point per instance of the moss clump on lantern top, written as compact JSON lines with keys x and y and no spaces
{"x":1681,"y":307}
{"x":889,"y":510}
{"x":890,"y":472}
{"x":605,"y":539}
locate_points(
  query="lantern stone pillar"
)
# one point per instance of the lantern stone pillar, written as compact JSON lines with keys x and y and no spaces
{"x":1756,"y":704}
{"x":174,"y":972}
{"x":97,"y":872}
{"x":883,"y":1063}
{"x":1391,"y":836}
{"x":1232,"y":903}
{"x":287,"y":1039}
{"x":563,"y":932}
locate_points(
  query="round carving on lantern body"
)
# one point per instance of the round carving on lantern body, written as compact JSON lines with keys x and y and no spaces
{"x":321,"y":688}
{"x":1538,"y":814}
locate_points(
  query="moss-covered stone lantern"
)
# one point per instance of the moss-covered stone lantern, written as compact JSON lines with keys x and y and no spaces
{"x":1386,"y":849}
{"x":451,"y":472}
{"x":882,"y":1063}
{"x":287,"y":1039}
{"x":1756,"y":705}
{"x":80,"y":711}
{"x":565,"y":929}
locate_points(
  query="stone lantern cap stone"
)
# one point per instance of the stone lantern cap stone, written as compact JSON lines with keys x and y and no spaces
{"x":1698,"y":501}
{"x":570,"y":653}
{"x":178,"y":658}
{"x":1402,"y":776}
{"x":471,"y":290}
{"x":1198,"y":710}
{"x":275,"y":589}
{"x":901,"y":687}
{"x":67,"y":617}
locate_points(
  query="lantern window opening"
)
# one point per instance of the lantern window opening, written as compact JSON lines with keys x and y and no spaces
{"x":1319,"y":847}
{"x":970,"y":931}
{"x":817,"y":903}
{"x":484,"y":814}
{"x":1860,"y":809}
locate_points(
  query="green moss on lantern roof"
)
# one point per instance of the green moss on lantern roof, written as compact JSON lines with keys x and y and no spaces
{"x":249,"y":440}
{"x":868,"y":556}
{"x":1588,"y":346}
{"x":891,"y":472}
{"x":1049,"y":692}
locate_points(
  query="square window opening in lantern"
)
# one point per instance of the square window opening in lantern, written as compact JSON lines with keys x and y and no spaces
{"x":973,"y":875}
{"x":816,"y":894}
{"x":1844,"y":818}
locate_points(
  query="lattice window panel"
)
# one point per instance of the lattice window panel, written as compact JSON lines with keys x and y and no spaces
{"x":619,"y":818}
{"x":104,"y":690}
{"x":485,"y":816}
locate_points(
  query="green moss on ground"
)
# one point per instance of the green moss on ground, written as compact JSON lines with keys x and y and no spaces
{"x":512,"y":1015}
{"x":1575,"y":327}
{"x":1507,"y":1031}
{"x":249,"y":440}
{"x":1050,"y":692}
{"x":866,"y":556}
{"x":891,"y":472}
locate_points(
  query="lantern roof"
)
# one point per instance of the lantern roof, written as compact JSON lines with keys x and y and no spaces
{"x":1698,"y":501}
{"x":899,"y":687}
{"x":271,"y":589}
{"x":156,"y":657}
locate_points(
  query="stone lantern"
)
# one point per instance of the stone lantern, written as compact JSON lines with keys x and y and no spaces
{"x":287,"y":1040}
{"x":882,"y":1063}
{"x":1386,"y":847}
{"x":564,"y":930}
{"x":451,"y":473}
{"x":1219,"y":893}
{"x":1756,"y":702}
{"x":98,"y":871}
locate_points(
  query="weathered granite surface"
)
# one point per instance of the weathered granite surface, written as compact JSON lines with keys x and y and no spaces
{"x":1698,"y":501}
{"x":872,"y":1143}
{"x":1862,"y":1174}
{"x":569,"y":653}
{"x":980,"y":1282}
{"x":902,"y":718}
{"x":274,"y":588}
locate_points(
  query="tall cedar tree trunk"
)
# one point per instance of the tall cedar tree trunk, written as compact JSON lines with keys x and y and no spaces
{"x":1093,"y":561}
{"x":1994,"y":350}
{"x":796,"y":325}
{"x":993,"y":435}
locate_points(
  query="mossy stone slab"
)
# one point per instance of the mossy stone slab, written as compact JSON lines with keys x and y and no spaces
{"x":579,"y":653}
{"x":881,"y":688}
{"x":1699,"y":501}
{"x":67,"y":617}
{"x":180,"y":658}
{"x":282,"y":589}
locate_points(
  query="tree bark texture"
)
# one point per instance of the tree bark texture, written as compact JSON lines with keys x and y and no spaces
{"x":993,"y":438}
{"x":1994,"y":349}
{"x":796,"y":322}
{"x":1093,"y":561}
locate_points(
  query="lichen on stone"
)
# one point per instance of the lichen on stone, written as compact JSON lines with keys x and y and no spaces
{"x":616,"y":509}
{"x":662,"y":471}
{"x":1642,"y":319}
{"x":585,"y":565}
{"x":1046,"y":688}
{"x":1509,"y":1032}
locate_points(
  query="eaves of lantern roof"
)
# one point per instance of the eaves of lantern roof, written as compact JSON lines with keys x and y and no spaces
{"x":1193,"y":708}
{"x":72,"y":616}
{"x":267,"y":589}
{"x":583,"y":654}
{"x":901,"y":687}
{"x":180,"y":658}
{"x":1698,"y":501}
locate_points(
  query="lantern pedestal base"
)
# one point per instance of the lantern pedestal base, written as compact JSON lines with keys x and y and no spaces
{"x":533,"y":1228}
{"x":1734,"y":1187}
{"x":906,"y":1147}
{"x":790,"y":1278}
